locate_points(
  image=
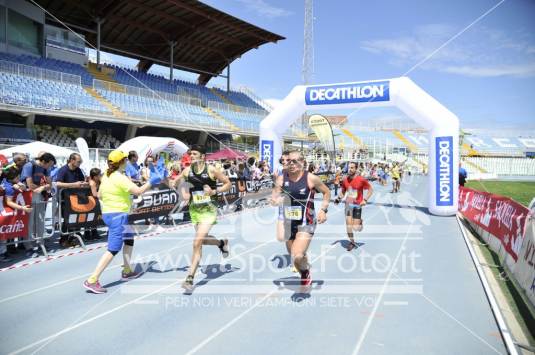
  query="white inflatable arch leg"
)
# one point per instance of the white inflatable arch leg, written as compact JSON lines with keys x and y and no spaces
{"x":443,"y":127}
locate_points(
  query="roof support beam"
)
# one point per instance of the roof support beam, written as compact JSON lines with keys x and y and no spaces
{"x":178,"y":21}
{"x":214,"y":19}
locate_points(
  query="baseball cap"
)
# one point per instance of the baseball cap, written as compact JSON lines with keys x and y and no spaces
{"x":116,"y":156}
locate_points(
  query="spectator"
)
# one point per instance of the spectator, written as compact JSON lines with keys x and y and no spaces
{"x":258,"y":171}
{"x":463,"y":175}
{"x":70,"y":176}
{"x":11,"y":179}
{"x":94,"y":181}
{"x":186,"y":159}
{"x":19,"y":159}
{"x":93,"y":139}
{"x":145,"y":171}
{"x":95,"y":176}
{"x":132,"y":169}
{"x":36,"y":175}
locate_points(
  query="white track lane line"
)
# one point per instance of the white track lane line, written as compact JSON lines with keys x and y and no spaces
{"x":113,"y":310}
{"x":244,"y":313}
{"x":381,"y":294}
{"x":7,"y":299}
{"x":59,"y":283}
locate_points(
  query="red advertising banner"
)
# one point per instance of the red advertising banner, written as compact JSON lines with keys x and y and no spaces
{"x":14,"y":223}
{"x":500,"y":216}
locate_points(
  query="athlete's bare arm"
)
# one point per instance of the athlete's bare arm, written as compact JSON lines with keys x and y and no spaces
{"x":321,"y":187}
{"x":276,"y":193}
{"x":220,"y":176}
{"x":369,"y":193}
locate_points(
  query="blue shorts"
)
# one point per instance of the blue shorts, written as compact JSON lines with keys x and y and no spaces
{"x":118,"y":229}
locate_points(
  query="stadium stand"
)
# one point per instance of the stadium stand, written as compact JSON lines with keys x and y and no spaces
{"x":502,"y":166}
{"x":50,"y":64}
{"x":33,"y":86}
{"x":15,"y":135}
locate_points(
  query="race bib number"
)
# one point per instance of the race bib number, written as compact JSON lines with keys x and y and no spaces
{"x":293,"y":213}
{"x":352,"y":194}
{"x":200,"y":198}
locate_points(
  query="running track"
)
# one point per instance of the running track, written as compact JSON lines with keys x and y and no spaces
{"x":409,"y":288}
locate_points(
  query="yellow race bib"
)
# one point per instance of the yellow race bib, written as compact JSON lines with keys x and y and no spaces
{"x":200,"y":198}
{"x":293,"y":213}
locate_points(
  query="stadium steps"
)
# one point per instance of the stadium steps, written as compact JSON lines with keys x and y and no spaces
{"x":114,"y":110}
{"x":470,"y":151}
{"x":217,"y":116}
{"x":354,"y":138}
{"x":411,"y":146}
{"x":105,"y":74}
{"x":475,"y":166}
{"x":224,"y":98}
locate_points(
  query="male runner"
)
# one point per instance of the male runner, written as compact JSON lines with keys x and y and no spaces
{"x":203,"y":190}
{"x":354,"y":185}
{"x":299,"y":186}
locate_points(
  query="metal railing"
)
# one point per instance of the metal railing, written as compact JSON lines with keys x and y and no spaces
{"x":39,"y":73}
{"x":236,"y":108}
{"x":78,"y":47}
{"x":148,"y":93}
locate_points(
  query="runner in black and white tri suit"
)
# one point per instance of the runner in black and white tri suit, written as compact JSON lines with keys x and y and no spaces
{"x":297,"y":187}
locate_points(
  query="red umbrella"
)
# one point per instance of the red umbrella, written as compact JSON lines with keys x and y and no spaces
{"x":226,"y":153}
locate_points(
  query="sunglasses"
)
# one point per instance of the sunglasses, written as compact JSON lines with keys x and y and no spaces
{"x":294,"y":161}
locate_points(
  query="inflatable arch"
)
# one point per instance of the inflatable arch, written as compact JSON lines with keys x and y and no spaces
{"x":403,"y":93}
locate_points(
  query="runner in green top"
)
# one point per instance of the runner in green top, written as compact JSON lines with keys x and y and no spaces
{"x":203,"y":191}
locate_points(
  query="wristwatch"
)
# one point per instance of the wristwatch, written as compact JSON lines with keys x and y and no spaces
{"x":325,"y":210}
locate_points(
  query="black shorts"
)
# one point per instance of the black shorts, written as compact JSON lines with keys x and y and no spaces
{"x":291,"y":228}
{"x":354,"y":211}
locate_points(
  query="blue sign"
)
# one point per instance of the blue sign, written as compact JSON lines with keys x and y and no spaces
{"x":266,"y":152}
{"x":348,"y":93}
{"x":444,"y":170}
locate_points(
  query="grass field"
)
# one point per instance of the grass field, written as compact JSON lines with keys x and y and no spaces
{"x":520,"y":191}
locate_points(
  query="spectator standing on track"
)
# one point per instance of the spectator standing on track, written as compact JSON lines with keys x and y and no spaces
{"x":115,"y":191}
{"x":36,"y":175}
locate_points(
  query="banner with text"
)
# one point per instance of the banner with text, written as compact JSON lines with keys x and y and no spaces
{"x":500,"y":216}
{"x":14,"y":223}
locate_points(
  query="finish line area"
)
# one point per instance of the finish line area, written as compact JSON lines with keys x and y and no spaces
{"x":411,"y":284}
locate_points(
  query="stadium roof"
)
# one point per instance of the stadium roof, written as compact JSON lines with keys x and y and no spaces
{"x":207,"y":40}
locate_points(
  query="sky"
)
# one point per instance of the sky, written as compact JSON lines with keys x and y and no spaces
{"x":476,"y":57}
{"x":485,"y":74}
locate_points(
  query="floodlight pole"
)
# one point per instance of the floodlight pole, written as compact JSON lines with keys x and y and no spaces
{"x":171,"y":55}
{"x":99,"y":21}
{"x":228,"y":77}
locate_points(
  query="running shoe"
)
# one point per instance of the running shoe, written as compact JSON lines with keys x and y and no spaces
{"x":224,"y":248}
{"x":351,"y":246}
{"x":294,"y":269}
{"x":127,"y":276}
{"x":188,"y":283}
{"x":306,"y":280}
{"x":94,"y":287}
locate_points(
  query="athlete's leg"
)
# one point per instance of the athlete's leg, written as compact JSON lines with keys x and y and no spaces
{"x":349,"y":228}
{"x":299,"y":249}
{"x":201,"y":232}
